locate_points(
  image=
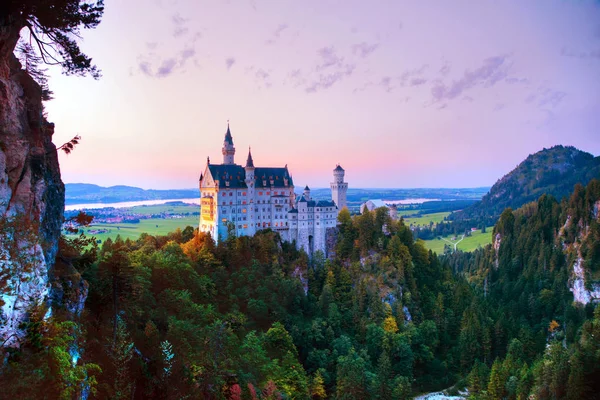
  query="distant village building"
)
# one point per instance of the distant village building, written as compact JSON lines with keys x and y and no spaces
{"x":243,"y":200}
{"x":377,"y":203}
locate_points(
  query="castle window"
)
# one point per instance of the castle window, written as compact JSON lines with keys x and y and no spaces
{"x":245,"y":225}
{"x":231,"y":202}
{"x":224,"y":220}
{"x":260,"y":193}
{"x":239,"y":227}
{"x":230,"y":193}
{"x":268,"y":193}
{"x":244,"y":193}
{"x":244,"y":202}
{"x":244,"y":210}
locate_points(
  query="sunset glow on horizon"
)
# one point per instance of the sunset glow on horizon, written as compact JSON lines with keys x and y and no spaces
{"x":401,"y":94}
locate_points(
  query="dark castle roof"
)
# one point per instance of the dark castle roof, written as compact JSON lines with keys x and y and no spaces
{"x":249,"y":161}
{"x":236,"y":176}
{"x":228,"y":138}
{"x":338,"y":168}
{"x":315,"y":203}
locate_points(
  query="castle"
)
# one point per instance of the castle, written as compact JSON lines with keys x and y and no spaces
{"x":243,"y":200}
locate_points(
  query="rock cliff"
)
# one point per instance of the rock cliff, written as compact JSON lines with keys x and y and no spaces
{"x":31,"y":196}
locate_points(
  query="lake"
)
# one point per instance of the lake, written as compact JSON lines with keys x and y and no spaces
{"x":127,"y":204}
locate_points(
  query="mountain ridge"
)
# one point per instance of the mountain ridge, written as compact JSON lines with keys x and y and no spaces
{"x":553,"y":171}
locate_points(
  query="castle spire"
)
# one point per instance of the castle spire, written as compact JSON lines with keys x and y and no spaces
{"x":228,"y":149}
{"x":249,"y":161}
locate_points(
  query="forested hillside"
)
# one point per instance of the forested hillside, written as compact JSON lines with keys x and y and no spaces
{"x":552,"y":171}
{"x":179,"y":316}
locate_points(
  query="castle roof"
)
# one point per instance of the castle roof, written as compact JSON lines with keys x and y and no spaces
{"x":236,"y":176}
{"x":315,"y":203}
{"x":306,"y":188}
{"x":232,"y":173}
{"x":228,"y":138}
{"x":249,"y":161}
{"x":338,"y":168}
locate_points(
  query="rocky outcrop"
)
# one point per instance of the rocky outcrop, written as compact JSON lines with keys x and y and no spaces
{"x":581,"y":294}
{"x":31,"y":196}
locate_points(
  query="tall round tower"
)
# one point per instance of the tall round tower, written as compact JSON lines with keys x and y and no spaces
{"x":228,"y":149}
{"x":339,"y":187}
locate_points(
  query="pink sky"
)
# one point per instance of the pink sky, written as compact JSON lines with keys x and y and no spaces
{"x":402,"y":94}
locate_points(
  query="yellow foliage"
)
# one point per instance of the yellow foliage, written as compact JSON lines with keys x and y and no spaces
{"x":553,"y":326}
{"x":390,"y":325}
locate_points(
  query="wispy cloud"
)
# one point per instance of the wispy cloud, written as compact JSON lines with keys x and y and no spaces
{"x":364,"y":49}
{"x":179,"y":23}
{"x":164,"y":67}
{"x":386,"y":84}
{"x":546,"y":97}
{"x":493,"y":70}
{"x":594,"y":54}
{"x":229,"y":62}
{"x":329,"y":58}
{"x":277,"y":34}
{"x":445,"y":70}
{"x":261,"y":76}
{"x":325,"y":81}
{"x":408,"y":76}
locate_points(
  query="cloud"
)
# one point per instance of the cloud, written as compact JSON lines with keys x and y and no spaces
{"x":386,"y":84}
{"x":409,"y":75}
{"x":263,"y":77}
{"x":546,"y":98}
{"x":277,"y":33}
{"x":515,"y":81}
{"x":229,"y":62}
{"x":417,"y":81}
{"x":493,"y":70}
{"x":145,"y":67}
{"x":166,"y":66}
{"x":179,"y":23}
{"x":327,"y":80}
{"x":151,"y":45}
{"x":593,"y":54}
{"x":363,"y":50}
{"x":328,"y":58}
{"x":445,"y":70}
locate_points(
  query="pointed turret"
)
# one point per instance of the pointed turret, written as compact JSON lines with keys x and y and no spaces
{"x":249,"y":161}
{"x":228,"y":138}
{"x":228,"y":149}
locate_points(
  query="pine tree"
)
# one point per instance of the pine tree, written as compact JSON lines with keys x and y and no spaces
{"x":496,"y":384}
{"x":317,"y":386}
{"x":121,"y":353}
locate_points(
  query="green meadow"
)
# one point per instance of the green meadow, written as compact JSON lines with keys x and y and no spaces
{"x":424,"y":219}
{"x":152,"y":226}
{"x":469,"y":243}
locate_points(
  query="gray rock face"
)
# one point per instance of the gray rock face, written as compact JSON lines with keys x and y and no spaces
{"x":31,"y":197}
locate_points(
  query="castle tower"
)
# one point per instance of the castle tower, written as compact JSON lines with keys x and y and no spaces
{"x":307,"y":193}
{"x":228,"y":149}
{"x":339,"y":187}
{"x":249,"y":169}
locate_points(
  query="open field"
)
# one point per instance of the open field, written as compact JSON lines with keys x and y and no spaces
{"x":166,"y":208}
{"x":469,"y":243}
{"x":424,"y":219}
{"x":152,"y":226}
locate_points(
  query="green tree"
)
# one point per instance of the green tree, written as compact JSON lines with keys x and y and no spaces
{"x":53,"y":26}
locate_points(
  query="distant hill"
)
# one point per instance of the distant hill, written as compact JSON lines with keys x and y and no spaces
{"x":552,"y":171}
{"x":89,"y":193}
